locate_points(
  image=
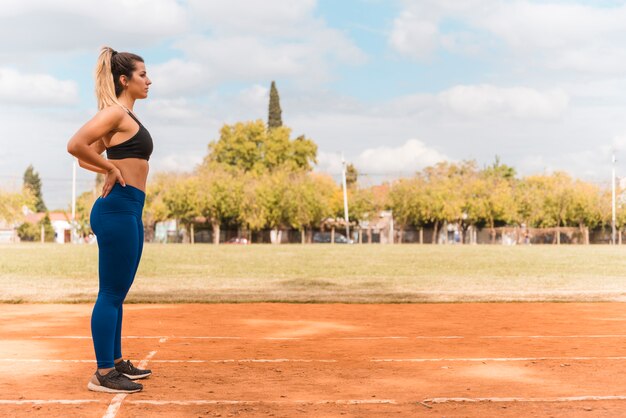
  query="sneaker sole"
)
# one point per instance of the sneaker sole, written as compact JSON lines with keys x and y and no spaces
{"x":96,"y":388}
{"x":137,"y":376}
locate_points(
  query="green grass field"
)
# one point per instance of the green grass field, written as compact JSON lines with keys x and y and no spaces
{"x":323,"y":273}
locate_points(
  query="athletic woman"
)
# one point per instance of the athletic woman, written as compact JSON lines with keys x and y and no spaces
{"x":116,"y":215}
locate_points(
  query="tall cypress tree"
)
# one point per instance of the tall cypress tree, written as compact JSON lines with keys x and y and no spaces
{"x":33,"y":182}
{"x":352,"y":175}
{"x":274,"y":120}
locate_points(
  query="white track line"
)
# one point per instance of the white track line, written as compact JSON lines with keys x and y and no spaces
{"x":553,"y":336}
{"x":163,"y":338}
{"x":498,"y":359}
{"x":250,"y":360}
{"x":316,"y":402}
{"x":287,"y":402}
{"x":200,"y":402}
{"x":378,"y":360}
{"x":48,"y":401}
{"x":514,"y":399}
{"x":117,"y":400}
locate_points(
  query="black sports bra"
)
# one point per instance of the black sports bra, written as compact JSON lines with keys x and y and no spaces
{"x":139,"y":146}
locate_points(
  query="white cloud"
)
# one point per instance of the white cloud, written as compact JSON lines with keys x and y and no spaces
{"x":329,"y":162}
{"x":518,"y":102}
{"x":557,"y":36}
{"x":40,"y":26}
{"x":412,"y":156}
{"x":178,"y":162}
{"x":384,"y":162}
{"x":263,"y":41}
{"x":35,"y":89}
{"x":270,"y":17}
{"x":172,"y":110}
{"x":414,"y":36}
{"x":176,"y":78}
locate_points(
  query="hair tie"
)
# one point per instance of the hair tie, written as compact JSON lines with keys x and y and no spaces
{"x":113,"y":52}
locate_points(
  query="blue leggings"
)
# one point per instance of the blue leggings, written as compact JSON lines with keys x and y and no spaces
{"x":116,"y":221}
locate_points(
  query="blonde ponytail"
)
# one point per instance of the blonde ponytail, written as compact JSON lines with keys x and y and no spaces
{"x":111,"y":65}
{"x":105,"y":86}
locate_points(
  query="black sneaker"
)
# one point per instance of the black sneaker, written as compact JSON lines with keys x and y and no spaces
{"x":130,"y":371}
{"x":113,"y":382}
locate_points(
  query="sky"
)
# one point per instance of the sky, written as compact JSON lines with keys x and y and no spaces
{"x":392,"y":86}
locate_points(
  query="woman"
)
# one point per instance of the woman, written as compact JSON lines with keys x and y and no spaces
{"x":116,"y":215}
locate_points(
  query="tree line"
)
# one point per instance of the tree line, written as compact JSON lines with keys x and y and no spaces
{"x":255,"y":176}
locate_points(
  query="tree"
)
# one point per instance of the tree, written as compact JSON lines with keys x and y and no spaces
{"x":33,"y":182}
{"x":402,"y":198}
{"x":273,"y":197}
{"x":220,"y":196}
{"x":492,"y":198}
{"x":32,"y":232}
{"x":155,"y":210}
{"x":313,"y":199}
{"x":250,"y":147}
{"x":549,"y":199}
{"x":585,"y":209}
{"x":84,"y":204}
{"x":445,"y":188}
{"x":274,"y":119}
{"x":182,"y":201}
{"x":352,"y":176}
{"x":12,"y":204}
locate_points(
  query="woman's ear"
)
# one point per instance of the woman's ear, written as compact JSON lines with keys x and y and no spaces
{"x":124,"y":81}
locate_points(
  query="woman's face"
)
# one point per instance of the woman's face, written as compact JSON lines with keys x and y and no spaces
{"x":137,"y":86}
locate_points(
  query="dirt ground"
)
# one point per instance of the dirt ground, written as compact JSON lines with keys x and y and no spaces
{"x":324,"y":360}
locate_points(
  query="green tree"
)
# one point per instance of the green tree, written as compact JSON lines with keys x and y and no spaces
{"x":313,"y":199}
{"x":352,"y":176}
{"x":553,"y":194}
{"x":12,"y":204}
{"x":33,"y":182}
{"x":274,"y":119}
{"x":182,"y":201}
{"x":272,"y":194}
{"x":155,"y":210}
{"x":84,"y":204}
{"x":492,"y":199}
{"x":404,"y":204}
{"x":220,"y":194}
{"x":446,"y":193}
{"x":250,"y":147}
{"x":47,"y":227}
{"x":32,"y":232}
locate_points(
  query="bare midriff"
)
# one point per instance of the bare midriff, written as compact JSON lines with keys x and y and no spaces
{"x":134,"y":171}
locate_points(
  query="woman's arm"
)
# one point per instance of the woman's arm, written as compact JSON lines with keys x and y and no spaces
{"x":105,"y":121}
{"x":99,"y":147}
{"x":101,"y":124}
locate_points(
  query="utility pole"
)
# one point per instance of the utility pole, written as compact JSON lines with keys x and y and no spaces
{"x":345,"y":197}
{"x":613,"y":235}
{"x":73,"y":200}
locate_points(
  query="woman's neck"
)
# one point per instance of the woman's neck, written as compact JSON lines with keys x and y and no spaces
{"x":128,"y":103}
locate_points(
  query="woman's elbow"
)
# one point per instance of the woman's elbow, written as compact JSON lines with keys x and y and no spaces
{"x":73,"y":148}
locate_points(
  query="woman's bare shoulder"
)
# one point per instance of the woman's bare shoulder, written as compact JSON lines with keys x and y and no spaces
{"x":111,"y":112}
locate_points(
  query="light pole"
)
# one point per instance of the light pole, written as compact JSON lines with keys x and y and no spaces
{"x":73,"y":223}
{"x":613,"y":201}
{"x":345,"y":197}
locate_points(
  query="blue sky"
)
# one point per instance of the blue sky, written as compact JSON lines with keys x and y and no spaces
{"x":392,"y":85}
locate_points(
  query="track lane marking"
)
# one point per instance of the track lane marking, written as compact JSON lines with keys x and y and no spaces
{"x":116,"y":402}
{"x":376,"y":360}
{"x":522,"y":399}
{"x":163,"y":338}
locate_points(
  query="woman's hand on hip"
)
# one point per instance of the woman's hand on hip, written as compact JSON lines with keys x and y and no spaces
{"x":112,"y":176}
